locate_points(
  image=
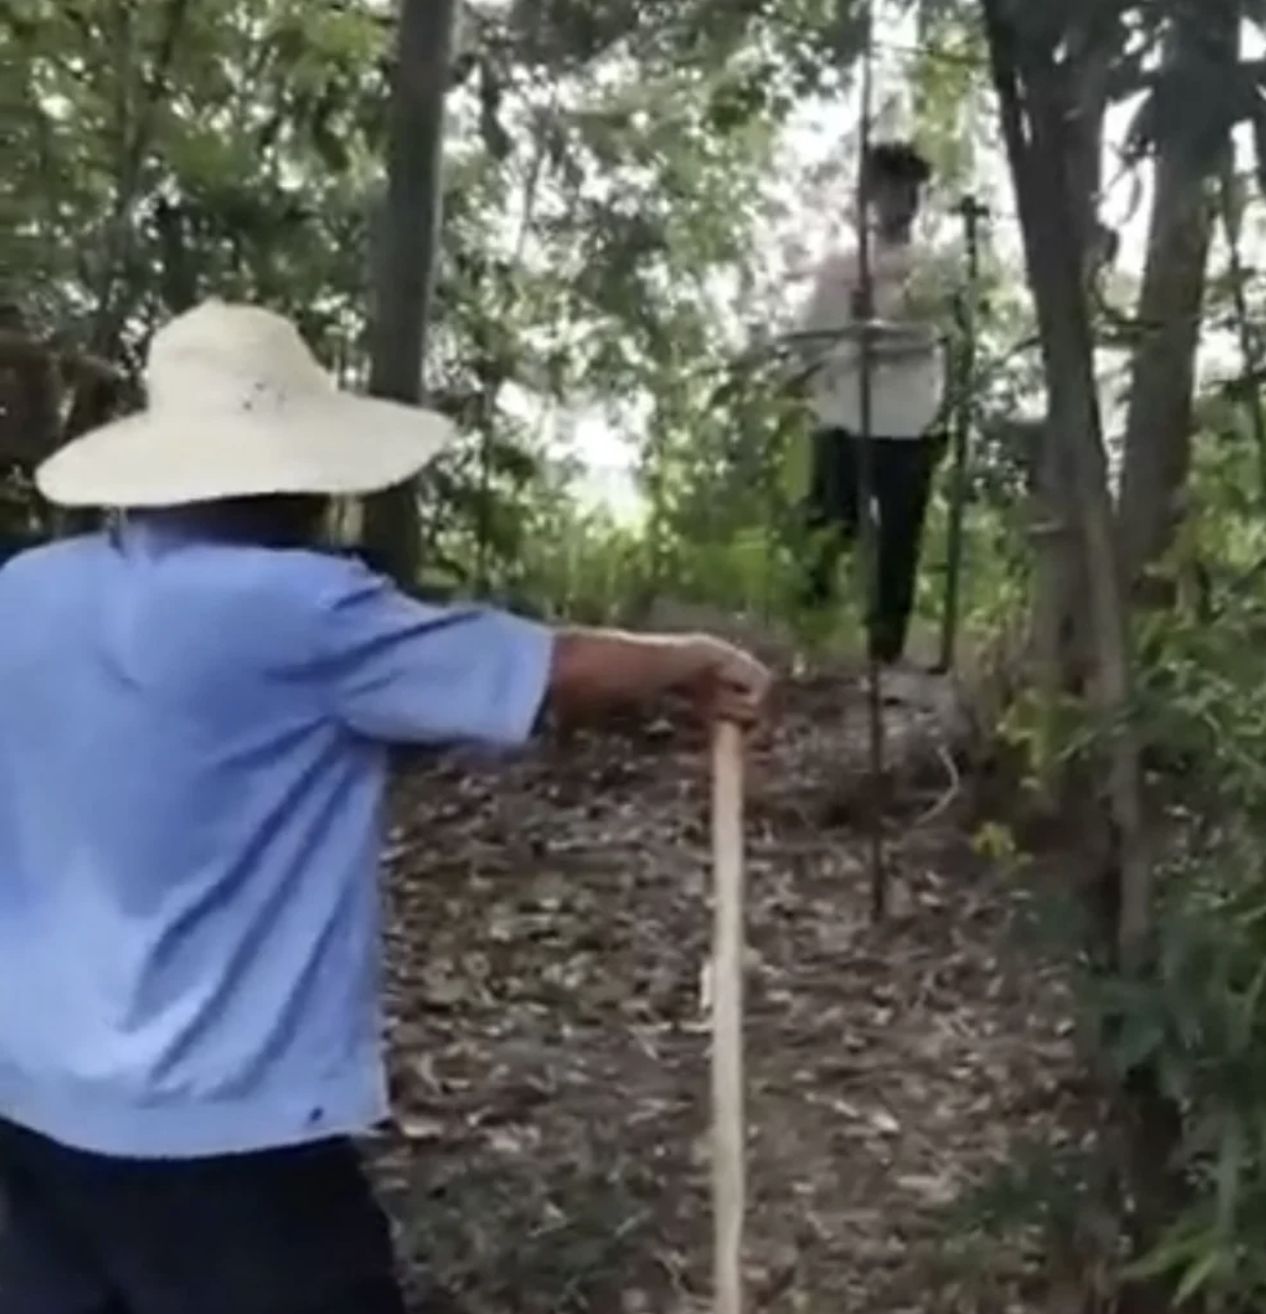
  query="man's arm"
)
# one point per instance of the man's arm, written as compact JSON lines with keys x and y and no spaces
{"x":406,"y":672}
{"x":599,"y":670}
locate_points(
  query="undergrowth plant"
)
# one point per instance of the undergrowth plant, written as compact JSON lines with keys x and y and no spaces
{"x":1192,"y":1031}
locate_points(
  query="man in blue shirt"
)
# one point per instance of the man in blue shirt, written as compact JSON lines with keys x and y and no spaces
{"x":195,"y":710}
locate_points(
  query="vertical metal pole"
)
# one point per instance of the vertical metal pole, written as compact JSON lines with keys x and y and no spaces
{"x":964,"y":409}
{"x":868,"y":536}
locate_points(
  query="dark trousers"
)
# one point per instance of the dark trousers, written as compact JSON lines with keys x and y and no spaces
{"x":903,"y":470}
{"x":285,"y":1232}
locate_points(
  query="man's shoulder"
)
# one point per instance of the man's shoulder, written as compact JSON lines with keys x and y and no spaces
{"x":308,"y":580}
{"x":325,"y":569}
{"x":249,"y":607}
{"x":328,"y":576}
{"x":306,"y":577}
{"x":26,"y":559}
{"x":326,"y":591}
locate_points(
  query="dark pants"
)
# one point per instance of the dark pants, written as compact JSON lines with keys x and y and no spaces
{"x":903,"y":470}
{"x":286,"y":1232}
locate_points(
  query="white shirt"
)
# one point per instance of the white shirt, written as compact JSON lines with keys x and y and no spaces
{"x":908,"y":387}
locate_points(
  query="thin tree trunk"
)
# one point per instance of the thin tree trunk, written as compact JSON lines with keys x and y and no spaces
{"x":1062,"y":628}
{"x":1246,"y":330}
{"x":1205,"y":39}
{"x":30,"y":394}
{"x":406,"y":257}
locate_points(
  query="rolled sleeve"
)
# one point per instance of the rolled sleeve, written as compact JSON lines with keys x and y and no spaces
{"x":406,"y":672}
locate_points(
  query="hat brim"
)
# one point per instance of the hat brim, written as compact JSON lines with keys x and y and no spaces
{"x":334,"y":445}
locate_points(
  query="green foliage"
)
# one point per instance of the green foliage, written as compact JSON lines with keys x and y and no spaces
{"x":604,"y":162}
{"x":611,"y":170}
{"x":1193,"y":1029}
{"x":222,"y":147}
{"x":1054,"y":1195}
{"x":607,"y":171}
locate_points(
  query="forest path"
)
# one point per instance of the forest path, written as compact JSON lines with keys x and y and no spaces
{"x":549,"y":922}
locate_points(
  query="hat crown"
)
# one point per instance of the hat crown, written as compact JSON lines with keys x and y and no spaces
{"x":231,"y":358}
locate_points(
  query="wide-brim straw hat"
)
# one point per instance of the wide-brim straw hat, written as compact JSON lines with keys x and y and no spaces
{"x":239,"y":407}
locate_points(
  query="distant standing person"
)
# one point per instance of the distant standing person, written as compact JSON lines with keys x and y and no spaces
{"x":907,"y":398}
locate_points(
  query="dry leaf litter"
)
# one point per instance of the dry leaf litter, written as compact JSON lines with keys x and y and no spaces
{"x":549,"y":934}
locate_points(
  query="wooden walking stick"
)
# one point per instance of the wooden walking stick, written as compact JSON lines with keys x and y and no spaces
{"x":728,"y":1137}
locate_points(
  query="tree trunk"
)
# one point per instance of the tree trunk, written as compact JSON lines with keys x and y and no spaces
{"x":406,"y":257}
{"x":1204,"y":44}
{"x":30,"y":395}
{"x":1034,"y":98}
{"x":1063,"y":641}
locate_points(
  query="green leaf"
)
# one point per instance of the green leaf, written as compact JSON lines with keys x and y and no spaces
{"x":1199,"y":1275}
{"x":1181,"y":1251}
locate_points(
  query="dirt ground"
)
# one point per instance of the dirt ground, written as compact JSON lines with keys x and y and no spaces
{"x":549,"y":926}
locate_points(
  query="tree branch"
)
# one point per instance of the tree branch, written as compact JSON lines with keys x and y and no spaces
{"x":119,"y":233}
